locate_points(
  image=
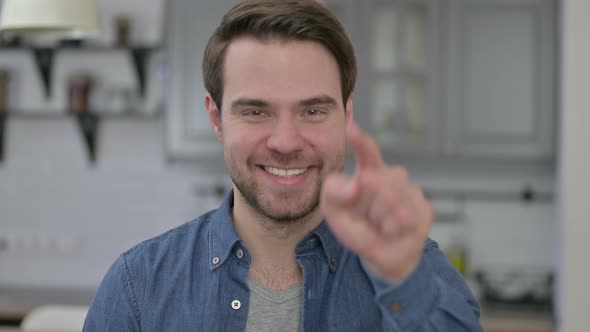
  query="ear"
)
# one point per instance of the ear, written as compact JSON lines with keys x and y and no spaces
{"x":348,"y":112}
{"x":214,"y":116}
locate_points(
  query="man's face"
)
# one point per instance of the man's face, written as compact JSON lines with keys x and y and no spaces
{"x":282,"y":125}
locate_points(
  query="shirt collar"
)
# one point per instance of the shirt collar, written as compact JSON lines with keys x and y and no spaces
{"x":330,"y":245}
{"x":222,"y":233}
{"x":223,"y":237}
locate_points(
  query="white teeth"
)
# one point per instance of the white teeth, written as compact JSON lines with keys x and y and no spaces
{"x":284,"y":172}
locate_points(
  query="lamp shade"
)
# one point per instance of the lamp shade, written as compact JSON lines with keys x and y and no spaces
{"x":68,"y":18}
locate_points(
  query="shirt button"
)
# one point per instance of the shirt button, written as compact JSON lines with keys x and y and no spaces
{"x":240,"y":253}
{"x":215,"y":260}
{"x":235,"y":304}
{"x":396,"y":307}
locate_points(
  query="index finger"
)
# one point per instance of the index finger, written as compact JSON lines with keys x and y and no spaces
{"x":366,"y":150}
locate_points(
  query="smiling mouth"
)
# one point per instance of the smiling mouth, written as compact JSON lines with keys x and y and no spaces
{"x":284,"y":172}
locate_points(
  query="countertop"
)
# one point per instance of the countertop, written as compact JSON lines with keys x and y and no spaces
{"x":495,"y":320}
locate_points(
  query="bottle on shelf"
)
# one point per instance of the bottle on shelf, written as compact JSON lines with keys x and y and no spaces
{"x":458,"y":254}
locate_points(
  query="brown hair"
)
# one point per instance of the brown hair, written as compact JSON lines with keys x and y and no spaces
{"x":282,"y":19}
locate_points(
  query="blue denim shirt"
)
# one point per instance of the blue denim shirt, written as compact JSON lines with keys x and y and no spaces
{"x":192,"y":278}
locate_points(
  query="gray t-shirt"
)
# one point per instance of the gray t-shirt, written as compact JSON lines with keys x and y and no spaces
{"x":273,"y":311}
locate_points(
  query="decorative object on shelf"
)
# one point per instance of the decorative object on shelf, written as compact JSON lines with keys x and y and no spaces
{"x":138,"y":54}
{"x":458,"y":255}
{"x":122,"y":25}
{"x":61,"y":18}
{"x":4,"y":80}
{"x":79,"y":92}
{"x":517,"y":287}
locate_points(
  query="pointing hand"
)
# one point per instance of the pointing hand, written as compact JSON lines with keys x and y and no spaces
{"x":378,"y":212}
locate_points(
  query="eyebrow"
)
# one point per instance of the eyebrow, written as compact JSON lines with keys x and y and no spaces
{"x":313,"y":101}
{"x":248,"y":102}
{"x":319,"y":100}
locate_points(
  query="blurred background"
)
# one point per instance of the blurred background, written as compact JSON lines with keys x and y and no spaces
{"x":105,"y":142}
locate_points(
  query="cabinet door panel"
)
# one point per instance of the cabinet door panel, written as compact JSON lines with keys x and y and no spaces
{"x":501,"y":102}
{"x":499,"y":78}
{"x":401,"y":46}
{"x":385,"y":38}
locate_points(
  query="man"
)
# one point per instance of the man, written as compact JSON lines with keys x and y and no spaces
{"x":295,"y":245}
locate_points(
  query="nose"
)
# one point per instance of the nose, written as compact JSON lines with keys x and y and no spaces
{"x":285,"y":136}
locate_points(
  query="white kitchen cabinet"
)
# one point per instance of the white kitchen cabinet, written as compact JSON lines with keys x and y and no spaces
{"x":398,"y":45}
{"x":501,"y":79}
{"x":458,"y":79}
{"x":448,"y":79}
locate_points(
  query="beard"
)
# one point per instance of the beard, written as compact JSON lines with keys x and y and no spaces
{"x":285,"y":206}
{"x":289,"y":210}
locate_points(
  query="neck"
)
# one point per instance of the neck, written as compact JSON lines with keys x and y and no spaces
{"x":272,"y":243}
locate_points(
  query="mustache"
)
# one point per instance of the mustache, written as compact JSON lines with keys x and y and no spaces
{"x":295,"y":158}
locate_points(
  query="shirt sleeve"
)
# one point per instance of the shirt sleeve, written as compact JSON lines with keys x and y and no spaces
{"x":433,"y":298}
{"x":114,"y":307}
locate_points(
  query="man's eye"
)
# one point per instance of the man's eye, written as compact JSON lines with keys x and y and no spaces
{"x":314,"y":112}
{"x":254,"y":113}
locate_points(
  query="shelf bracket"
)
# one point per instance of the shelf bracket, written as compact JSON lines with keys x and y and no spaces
{"x":139,"y":57}
{"x":2,"y":125}
{"x":88,"y":124}
{"x":44,"y":61}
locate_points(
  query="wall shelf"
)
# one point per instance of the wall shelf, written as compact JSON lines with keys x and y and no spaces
{"x":2,"y":125}
{"x":44,"y":57}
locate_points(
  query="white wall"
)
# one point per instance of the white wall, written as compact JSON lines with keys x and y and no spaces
{"x":64,"y":222}
{"x":500,"y":234}
{"x":574,"y":166}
